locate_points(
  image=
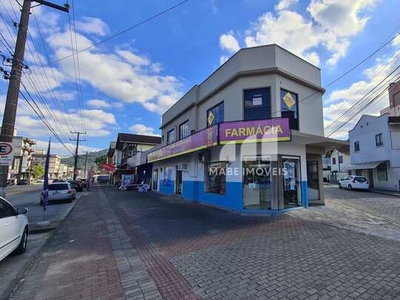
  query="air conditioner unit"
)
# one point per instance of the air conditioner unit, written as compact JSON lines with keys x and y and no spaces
{"x":183,"y":167}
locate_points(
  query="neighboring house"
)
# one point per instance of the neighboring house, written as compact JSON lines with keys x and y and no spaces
{"x":127,"y":146}
{"x":375,"y":150}
{"x":21,"y":167}
{"x":250,"y":137}
{"x":394,"y":100}
{"x":339,"y":162}
{"x":54,"y":164}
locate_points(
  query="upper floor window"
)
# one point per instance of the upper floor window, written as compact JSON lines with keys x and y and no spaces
{"x":356,"y":146}
{"x":334,"y":161}
{"x":215,"y":115}
{"x":289,"y":108}
{"x":171,"y":136}
{"x":340,"y":159}
{"x":378,"y":139}
{"x":257,"y":104}
{"x":184,"y":130}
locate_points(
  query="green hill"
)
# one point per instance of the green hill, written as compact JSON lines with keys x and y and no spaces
{"x":92,"y":156}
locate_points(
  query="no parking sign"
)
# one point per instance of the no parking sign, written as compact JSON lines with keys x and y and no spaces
{"x":6,"y":156}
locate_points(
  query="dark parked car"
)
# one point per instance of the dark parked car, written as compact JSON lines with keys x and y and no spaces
{"x":78,"y":185}
{"x":23,"y":182}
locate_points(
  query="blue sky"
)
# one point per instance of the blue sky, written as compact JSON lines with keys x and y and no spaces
{"x":126,"y":83}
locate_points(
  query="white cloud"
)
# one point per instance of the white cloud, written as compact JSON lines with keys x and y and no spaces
{"x":302,"y":34}
{"x":285,"y":4}
{"x":340,"y":100}
{"x":58,"y":148}
{"x":92,"y":26}
{"x":142,"y":129}
{"x":396,"y":41}
{"x":229,"y":42}
{"x":98,"y":103}
{"x":123,"y":75}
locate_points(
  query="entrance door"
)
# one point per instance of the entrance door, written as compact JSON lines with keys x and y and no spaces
{"x":155,"y":180}
{"x":178,"y":182}
{"x":291,"y":182}
{"x":257,"y":191}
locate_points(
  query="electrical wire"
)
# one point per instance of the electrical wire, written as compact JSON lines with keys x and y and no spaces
{"x":123,"y":31}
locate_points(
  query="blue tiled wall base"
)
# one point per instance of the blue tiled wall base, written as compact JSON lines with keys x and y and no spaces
{"x":167,"y":187}
{"x":231,"y":200}
{"x":304,"y":194}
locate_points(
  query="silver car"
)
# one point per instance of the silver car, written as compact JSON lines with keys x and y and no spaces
{"x":60,"y":191}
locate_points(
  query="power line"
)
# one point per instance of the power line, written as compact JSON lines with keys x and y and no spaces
{"x":123,"y":31}
{"x":382,"y":92}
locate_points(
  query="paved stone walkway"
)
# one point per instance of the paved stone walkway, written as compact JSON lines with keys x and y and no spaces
{"x":129,"y":245}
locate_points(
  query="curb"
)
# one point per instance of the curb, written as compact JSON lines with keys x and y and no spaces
{"x":385,"y":193}
{"x":36,"y":228}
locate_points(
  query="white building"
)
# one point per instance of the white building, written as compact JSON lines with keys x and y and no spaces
{"x":21,"y":167}
{"x":229,"y":140}
{"x":339,"y":161}
{"x":375,"y":150}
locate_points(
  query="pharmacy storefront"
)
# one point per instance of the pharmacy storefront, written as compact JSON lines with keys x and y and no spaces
{"x":243,"y":166}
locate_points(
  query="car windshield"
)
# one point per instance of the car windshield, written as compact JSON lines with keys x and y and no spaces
{"x":58,"y":187}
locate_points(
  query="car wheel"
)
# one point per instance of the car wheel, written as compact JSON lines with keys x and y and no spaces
{"x":350,"y":187}
{"x":23,"y":243}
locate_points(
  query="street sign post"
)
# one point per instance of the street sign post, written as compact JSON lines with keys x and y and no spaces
{"x":6,"y":155}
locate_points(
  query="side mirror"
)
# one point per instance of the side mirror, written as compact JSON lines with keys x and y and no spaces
{"x":22,"y":211}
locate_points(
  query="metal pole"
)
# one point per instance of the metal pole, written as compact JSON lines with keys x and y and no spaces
{"x":10,"y":110}
{"x":76,"y":156}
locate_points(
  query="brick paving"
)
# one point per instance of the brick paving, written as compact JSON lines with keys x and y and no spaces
{"x":384,"y":206}
{"x":226,"y":256}
{"x":130,"y":245}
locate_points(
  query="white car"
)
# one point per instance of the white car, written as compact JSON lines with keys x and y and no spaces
{"x":14,"y":229}
{"x":354,"y":182}
{"x":60,"y":191}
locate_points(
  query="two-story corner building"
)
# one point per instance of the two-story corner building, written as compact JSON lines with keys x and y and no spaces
{"x":250,"y":137}
{"x":375,"y":150}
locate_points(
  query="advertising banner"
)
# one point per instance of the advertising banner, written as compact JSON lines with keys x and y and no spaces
{"x":272,"y":130}
{"x":200,"y":140}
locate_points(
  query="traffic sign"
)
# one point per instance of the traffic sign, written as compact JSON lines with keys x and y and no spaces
{"x":6,"y":155}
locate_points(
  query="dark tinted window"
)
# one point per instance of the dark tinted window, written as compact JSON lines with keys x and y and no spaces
{"x":215,"y":114}
{"x":360,"y":179}
{"x":58,"y":187}
{"x":6,"y":210}
{"x":257,"y":104}
{"x":289,"y":109}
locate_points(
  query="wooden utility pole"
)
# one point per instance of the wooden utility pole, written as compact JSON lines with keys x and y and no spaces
{"x":10,"y":110}
{"x":76,"y":150}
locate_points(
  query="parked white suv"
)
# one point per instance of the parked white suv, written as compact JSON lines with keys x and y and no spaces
{"x":354,"y":182}
{"x":14,"y":229}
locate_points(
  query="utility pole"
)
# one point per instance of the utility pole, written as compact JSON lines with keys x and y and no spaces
{"x":86,"y":158}
{"x":76,"y":150}
{"x":10,"y":110}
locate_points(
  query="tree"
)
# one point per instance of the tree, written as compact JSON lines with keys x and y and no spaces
{"x":101,"y":160}
{"x":38,"y":171}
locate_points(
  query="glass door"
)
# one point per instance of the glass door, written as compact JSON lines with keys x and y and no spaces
{"x":291,"y":182}
{"x":155,"y":180}
{"x":178,"y":182}
{"x":257,"y":187}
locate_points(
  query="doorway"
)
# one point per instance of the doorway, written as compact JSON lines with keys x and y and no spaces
{"x":257,"y":186}
{"x":291,"y":181}
{"x":178,"y":182}
{"x":155,"y":180}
